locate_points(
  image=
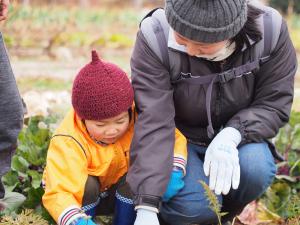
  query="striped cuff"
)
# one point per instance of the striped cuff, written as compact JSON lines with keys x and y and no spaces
{"x":69,"y":215}
{"x":123,"y":199}
{"x":91,"y":206}
{"x":180,"y":162}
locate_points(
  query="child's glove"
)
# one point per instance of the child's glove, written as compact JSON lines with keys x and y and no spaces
{"x":175,"y":184}
{"x":84,"y":221}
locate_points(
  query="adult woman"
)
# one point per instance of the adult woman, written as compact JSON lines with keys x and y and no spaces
{"x":227,"y":121}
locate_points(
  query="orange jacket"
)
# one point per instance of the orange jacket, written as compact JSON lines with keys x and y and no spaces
{"x":73,"y":156}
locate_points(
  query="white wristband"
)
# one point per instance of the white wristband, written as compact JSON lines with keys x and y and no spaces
{"x":149,"y":208}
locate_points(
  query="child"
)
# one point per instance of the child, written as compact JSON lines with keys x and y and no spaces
{"x":88,"y":156}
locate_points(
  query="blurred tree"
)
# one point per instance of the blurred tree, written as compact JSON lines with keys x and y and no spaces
{"x":288,"y":7}
{"x":26,"y":2}
{"x":84,"y":3}
{"x":138,"y":3}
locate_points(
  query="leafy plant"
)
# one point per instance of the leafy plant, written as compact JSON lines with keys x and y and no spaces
{"x":28,"y":163}
{"x":213,"y":201}
{"x":11,"y":203}
{"x":283,"y":196}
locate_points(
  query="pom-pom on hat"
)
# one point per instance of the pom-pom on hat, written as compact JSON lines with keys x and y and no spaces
{"x":101,"y":90}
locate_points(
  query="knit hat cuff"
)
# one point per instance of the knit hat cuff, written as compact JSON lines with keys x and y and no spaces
{"x":201,"y":33}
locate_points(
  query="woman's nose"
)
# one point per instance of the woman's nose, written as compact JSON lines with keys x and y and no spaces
{"x":192,"y":50}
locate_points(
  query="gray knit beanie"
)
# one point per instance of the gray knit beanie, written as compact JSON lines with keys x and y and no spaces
{"x":207,"y":21}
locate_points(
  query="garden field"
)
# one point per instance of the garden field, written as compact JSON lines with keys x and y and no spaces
{"x":47,"y":47}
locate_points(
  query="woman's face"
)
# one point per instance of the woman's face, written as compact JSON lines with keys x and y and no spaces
{"x":109,"y":130}
{"x":195,"y":48}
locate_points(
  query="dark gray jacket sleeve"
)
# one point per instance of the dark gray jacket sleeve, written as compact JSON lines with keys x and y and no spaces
{"x":11,"y":112}
{"x":274,"y":93}
{"x":152,"y":146}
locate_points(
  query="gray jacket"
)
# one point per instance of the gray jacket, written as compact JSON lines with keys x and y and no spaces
{"x":11,"y":113}
{"x":257,"y":105}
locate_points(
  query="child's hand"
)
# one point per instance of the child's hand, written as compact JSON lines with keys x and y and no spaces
{"x":84,"y":221}
{"x":176,"y":183}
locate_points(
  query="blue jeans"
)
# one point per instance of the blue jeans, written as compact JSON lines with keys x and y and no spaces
{"x":190,"y":205}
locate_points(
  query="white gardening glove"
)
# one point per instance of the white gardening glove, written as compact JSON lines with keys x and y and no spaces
{"x":146,"y":217}
{"x":221,"y":161}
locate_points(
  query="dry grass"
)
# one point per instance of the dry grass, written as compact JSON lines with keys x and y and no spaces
{"x":27,"y":217}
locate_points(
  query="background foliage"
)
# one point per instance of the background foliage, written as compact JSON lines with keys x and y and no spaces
{"x":286,"y":6}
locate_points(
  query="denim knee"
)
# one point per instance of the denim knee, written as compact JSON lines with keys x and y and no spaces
{"x":187,"y":212}
{"x":258,"y":170}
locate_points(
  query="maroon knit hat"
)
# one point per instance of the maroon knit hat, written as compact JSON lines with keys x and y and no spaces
{"x":101,"y":90}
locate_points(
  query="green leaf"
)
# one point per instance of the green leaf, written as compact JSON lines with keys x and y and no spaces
{"x":294,"y":118}
{"x":33,"y":154}
{"x":295,"y":169}
{"x":296,"y":137}
{"x":19,"y":164}
{"x":10,"y":180}
{"x":40,"y":137}
{"x":12,"y":201}
{"x":36,"y":178}
{"x":287,"y":178}
{"x":265,"y":216}
{"x":22,"y":138}
{"x":34,"y":197}
{"x":296,"y":186}
{"x":293,"y":156}
{"x":278,"y":196}
{"x":282,"y":139}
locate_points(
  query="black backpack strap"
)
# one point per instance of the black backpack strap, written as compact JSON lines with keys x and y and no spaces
{"x":162,"y":41}
{"x":270,"y":25}
{"x":267,"y":19}
{"x":222,"y":77}
{"x":149,"y":14}
{"x":155,"y":29}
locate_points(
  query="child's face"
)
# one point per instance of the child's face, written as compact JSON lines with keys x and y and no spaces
{"x":109,"y":130}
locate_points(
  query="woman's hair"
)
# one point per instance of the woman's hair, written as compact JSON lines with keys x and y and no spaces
{"x":130,"y":112}
{"x":250,"y":29}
